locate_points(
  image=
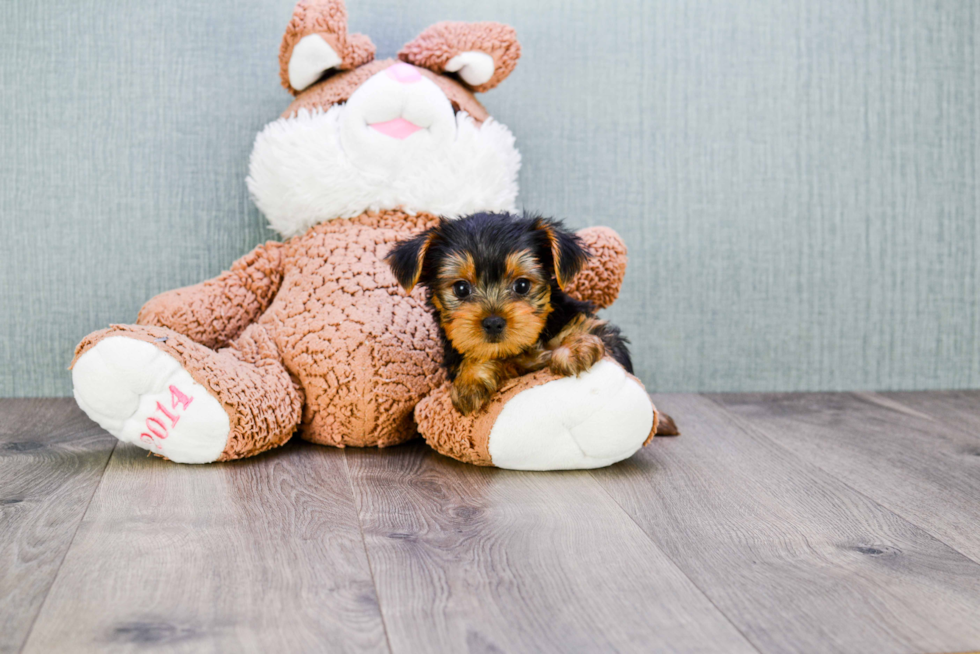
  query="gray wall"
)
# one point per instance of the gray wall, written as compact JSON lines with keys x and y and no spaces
{"x":797,"y":180}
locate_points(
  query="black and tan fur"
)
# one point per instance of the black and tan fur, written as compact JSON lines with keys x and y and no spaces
{"x":495,"y":284}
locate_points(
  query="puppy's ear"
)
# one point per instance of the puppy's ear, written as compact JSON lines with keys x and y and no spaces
{"x":407,"y":259}
{"x":568,"y":254}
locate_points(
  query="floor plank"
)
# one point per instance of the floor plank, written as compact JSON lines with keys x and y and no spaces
{"x":797,"y":560}
{"x":51,"y":460}
{"x":959,"y":409}
{"x":476,"y":559}
{"x":920,"y":468}
{"x":259,"y":555}
{"x":802,"y":522}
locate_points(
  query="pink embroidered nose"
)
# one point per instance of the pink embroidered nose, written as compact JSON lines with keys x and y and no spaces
{"x":404,"y":73}
{"x":399,"y":128}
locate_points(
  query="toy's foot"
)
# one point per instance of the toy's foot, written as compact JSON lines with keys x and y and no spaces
{"x":590,"y":421}
{"x":540,"y":422}
{"x":143,"y":396}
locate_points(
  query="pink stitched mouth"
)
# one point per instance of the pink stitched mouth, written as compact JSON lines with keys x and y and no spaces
{"x":399,"y":128}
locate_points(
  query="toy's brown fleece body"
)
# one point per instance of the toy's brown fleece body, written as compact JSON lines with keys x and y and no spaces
{"x":315,"y":333}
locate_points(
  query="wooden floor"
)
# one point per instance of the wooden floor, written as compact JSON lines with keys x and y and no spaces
{"x":776,"y":523}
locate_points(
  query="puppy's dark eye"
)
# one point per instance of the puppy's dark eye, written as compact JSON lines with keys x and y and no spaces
{"x":522,"y":286}
{"x":461,"y":289}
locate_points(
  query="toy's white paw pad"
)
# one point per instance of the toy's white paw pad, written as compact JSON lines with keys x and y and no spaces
{"x":590,"y":421}
{"x":143,"y":396}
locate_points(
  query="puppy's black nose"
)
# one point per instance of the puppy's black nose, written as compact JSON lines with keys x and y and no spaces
{"x":494,"y":325}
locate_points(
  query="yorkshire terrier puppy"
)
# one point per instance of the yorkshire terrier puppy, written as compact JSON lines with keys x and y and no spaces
{"x":495,"y":284}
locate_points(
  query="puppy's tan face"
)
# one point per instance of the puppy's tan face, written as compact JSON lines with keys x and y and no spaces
{"x":492,"y":314}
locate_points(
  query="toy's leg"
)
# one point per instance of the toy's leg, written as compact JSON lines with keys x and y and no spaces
{"x":161,"y":391}
{"x":540,"y":422}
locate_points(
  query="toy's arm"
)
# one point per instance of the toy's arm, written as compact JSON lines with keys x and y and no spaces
{"x":216,"y":311}
{"x":600,"y":279}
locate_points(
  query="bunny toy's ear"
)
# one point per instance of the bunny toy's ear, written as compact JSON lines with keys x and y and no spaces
{"x":481,"y":54}
{"x":316,"y":40}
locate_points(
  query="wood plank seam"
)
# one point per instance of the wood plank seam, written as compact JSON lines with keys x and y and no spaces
{"x":760,"y":432}
{"x":675,"y":563}
{"x":893,"y":405}
{"x":480,"y":559}
{"x":792,"y":554}
{"x":71,"y":542}
{"x":887,"y":402}
{"x":367,"y":554}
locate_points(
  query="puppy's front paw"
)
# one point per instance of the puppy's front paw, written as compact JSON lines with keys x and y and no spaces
{"x":576,"y":354}
{"x":532,"y":360}
{"x":468,"y":398}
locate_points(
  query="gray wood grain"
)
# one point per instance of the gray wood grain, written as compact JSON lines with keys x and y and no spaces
{"x":51,"y":460}
{"x":261,"y":555}
{"x":796,"y":559}
{"x":921,"y":468}
{"x":486,"y":560}
{"x":830,"y":523}
{"x":957,"y":409}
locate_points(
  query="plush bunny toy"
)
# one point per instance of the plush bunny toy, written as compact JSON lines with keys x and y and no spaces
{"x":313,"y":334}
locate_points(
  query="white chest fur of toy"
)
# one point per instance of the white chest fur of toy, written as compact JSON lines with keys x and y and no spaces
{"x":143,"y":396}
{"x":590,"y":421}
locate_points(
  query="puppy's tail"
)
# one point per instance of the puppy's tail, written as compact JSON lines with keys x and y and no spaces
{"x":617,"y":345}
{"x":666,"y":426}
